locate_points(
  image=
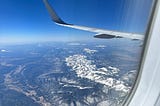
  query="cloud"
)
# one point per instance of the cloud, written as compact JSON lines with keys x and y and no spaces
{"x":3,"y":50}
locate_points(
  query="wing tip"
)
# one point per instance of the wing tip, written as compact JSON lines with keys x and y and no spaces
{"x":53,"y":14}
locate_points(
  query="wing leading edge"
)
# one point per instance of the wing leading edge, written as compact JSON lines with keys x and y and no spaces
{"x":100,"y":33}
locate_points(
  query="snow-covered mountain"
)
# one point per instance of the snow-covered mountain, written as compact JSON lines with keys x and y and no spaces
{"x":85,"y":68}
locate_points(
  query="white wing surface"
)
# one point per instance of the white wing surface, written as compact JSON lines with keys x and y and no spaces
{"x":100,"y":33}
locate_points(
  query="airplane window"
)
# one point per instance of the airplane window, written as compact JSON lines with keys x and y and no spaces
{"x":70,"y":52}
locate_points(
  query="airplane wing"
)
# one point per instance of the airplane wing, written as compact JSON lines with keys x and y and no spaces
{"x":100,"y":33}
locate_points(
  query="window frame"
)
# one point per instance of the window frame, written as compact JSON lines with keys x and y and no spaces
{"x":146,"y":89}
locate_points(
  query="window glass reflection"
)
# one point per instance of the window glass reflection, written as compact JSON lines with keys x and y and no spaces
{"x":42,"y":63}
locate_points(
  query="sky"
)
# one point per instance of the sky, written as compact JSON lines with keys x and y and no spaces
{"x":29,"y":21}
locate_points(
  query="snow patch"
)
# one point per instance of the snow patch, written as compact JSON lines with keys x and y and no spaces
{"x":101,"y":46}
{"x":87,"y":50}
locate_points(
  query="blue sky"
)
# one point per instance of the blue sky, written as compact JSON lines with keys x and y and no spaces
{"x":29,"y":21}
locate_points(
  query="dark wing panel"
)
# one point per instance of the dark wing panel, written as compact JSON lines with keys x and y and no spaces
{"x":53,"y":14}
